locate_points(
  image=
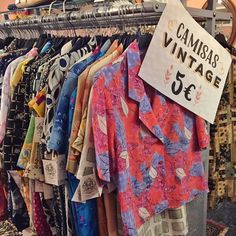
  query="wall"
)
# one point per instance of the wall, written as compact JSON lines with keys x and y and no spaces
{"x":226,"y":30}
{"x":4,"y":4}
{"x":196,"y":3}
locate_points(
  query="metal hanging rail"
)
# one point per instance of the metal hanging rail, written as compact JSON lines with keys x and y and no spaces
{"x":101,"y":16}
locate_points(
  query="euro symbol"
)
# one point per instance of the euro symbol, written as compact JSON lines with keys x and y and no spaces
{"x":187,"y":91}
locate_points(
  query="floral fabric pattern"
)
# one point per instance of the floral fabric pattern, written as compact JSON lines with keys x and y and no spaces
{"x":145,"y":143}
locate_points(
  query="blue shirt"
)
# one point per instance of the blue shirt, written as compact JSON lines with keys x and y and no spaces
{"x":57,"y":140}
{"x":46,"y":47}
{"x":84,"y":214}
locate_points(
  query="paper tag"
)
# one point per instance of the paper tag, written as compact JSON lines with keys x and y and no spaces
{"x":38,"y":130}
{"x":29,"y":232}
{"x":88,"y":188}
{"x":38,"y":187}
{"x":48,"y":191}
{"x":55,"y":170}
{"x":77,"y":195}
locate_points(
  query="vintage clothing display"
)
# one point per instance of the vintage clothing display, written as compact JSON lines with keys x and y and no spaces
{"x":88,"y":148}
{"x":90,"y":92}
{"x":85,"y":109}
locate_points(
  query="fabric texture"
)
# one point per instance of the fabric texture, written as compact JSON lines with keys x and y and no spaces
{"x":171,"y":222}
{"x":17,"y":210}
{"x":54,"y":84}
{"x":222,"y":159}
{"x":89,"y":187}
{"x":40,"y":223}
{"x":16,"y":124}
{"x":147,"y":144}
{"x":8,"y":229}
{"x":58,"y":132}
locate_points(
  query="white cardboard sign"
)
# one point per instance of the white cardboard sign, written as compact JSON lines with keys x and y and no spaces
{"x":185,"y":63}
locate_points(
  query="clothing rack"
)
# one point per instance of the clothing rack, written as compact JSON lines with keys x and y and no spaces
{"x":105,"y":15}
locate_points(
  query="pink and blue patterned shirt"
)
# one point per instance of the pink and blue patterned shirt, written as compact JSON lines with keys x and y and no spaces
{"x":145,"y":143}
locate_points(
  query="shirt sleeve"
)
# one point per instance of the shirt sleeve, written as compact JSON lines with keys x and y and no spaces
{"x":202,"y":133}
{"x":102,"y":131}
{"x":57,"y":141}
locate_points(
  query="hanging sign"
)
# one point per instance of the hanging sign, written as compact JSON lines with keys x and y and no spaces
{"x":185,"y":63}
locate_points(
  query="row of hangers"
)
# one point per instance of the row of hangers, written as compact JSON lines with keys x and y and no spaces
{"x":78,"y":42}
{"x":52,"y":24}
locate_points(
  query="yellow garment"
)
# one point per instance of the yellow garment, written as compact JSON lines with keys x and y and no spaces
{"x":73,"y":153}
{"x":78,"y":143}
{"x":112,"y":48}
{"x":38,"y":103}
{"x":34,"y":168}
{"x":18,"y":74}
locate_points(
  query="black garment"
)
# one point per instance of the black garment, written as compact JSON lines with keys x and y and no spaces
{"x":17,"y":210}
{"x":17,"y":124}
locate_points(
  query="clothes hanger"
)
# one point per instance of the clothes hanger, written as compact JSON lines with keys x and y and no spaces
{"x":129,"y":34}
{"x":79,"y":42}
{"x":32,"y":38}
{"x":143,"y":35}
{"x":123,"y":33}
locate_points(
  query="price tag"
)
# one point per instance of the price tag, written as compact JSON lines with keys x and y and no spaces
{"x":55,"y":170}
{"x":38,"y":130}
{"x":48,"y":191}
{"x":185,"y":63}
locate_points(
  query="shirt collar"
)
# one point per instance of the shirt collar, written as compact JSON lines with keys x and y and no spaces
{"x":66,"y":48}
{"x":136,"y":91}
{"x":135,"y":84}
{"x":105,"y":47}
{"x":46,"y":47}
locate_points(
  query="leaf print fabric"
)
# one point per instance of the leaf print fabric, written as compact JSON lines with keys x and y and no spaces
{"x":124,"y":106}
{"x":102,"y":124}
{"x":146,"y":144}
{"x":197,"y":169}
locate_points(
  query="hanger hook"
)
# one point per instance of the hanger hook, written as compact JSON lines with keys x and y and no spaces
{"x":64,"y":6}
{"x":52,"y":3}
{"x":96,"y":20}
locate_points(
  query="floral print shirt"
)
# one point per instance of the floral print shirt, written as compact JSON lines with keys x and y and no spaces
{"x":147,"y":144}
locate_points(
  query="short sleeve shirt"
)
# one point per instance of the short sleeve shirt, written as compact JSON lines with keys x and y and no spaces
{"x":147,"y":144}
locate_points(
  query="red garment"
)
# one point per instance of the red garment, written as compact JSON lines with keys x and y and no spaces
{"x":147,"y":144}
{"x":40,"y":223}
{"x":3,"y":201}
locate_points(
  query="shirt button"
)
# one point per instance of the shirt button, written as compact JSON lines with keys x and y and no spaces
{"x":58,"y":142}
